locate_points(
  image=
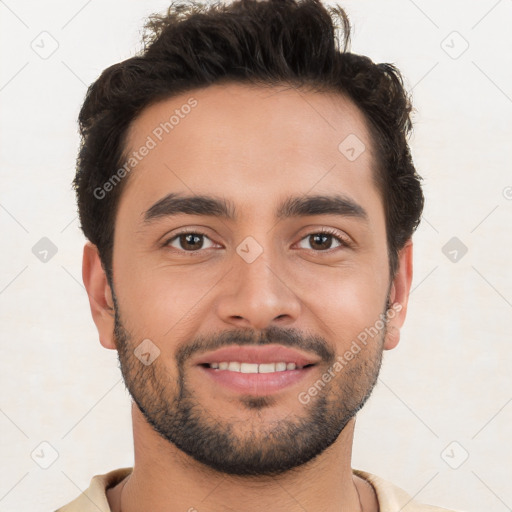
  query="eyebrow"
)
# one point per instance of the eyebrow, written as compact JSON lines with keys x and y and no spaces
{"x":297,"y":206}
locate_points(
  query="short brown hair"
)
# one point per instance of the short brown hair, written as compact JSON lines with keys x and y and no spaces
{"x":262,"y":42}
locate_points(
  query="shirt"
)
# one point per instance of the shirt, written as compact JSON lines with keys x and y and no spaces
{"x":390,"y":497}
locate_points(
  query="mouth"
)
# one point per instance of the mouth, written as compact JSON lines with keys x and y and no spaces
{"x":247,"y":355}
{"x":236,"y":366}
{"x":256,"y":370}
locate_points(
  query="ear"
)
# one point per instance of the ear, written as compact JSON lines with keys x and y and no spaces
{"x":100,"y":295}
{"x":399,"y":295}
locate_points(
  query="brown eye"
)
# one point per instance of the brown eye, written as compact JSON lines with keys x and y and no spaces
{"x":189,"y":242}
{"x":320,"y":241}
{"x":323,"y":241}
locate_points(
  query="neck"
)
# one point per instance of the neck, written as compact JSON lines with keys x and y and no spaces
{"x":164,"y":478}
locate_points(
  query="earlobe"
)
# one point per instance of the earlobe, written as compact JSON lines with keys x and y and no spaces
{"x":399,"y":295}
{"x":392,"y":337}
{"x":100,"y":295}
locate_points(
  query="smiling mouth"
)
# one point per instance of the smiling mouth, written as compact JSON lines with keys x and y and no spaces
{"x":251,"y":368}
{"x":256,"y":370}
{"x":254,"y":379}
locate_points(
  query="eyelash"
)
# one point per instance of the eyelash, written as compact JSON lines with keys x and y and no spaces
{"x":344,"y":242}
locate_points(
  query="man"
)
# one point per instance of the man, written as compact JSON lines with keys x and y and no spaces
{"x":249,"y":198}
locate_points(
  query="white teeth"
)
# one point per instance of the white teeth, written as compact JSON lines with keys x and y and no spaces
{"x":236,"y":366}
{"x":267,"y":367}
{"x":249,"y":367}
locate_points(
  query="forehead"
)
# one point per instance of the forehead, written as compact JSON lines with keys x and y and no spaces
{"x":248,"y":144}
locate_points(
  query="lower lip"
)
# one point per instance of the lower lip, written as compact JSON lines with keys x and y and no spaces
{"x":256,"y":384}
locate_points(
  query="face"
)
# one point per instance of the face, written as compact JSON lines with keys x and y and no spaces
{"x":245,"y":225}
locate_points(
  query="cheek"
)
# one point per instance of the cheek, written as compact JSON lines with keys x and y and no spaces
{"x":163,"y":303}
{"x":347,"y":302}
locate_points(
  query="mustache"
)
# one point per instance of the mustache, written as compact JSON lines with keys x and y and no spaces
{"x":290,"y":337}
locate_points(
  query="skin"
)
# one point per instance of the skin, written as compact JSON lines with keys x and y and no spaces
{"x":254,"y":147}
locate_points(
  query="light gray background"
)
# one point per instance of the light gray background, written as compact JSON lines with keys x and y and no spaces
{"x":448,"y":380}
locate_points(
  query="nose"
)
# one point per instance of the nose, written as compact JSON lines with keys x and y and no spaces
{"x":258,"y":294}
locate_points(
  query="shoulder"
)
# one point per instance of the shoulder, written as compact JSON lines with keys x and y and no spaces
{"x":392,"y":498}
{"x":94,"y":498}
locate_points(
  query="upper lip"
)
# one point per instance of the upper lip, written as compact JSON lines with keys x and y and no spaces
{"x":257,"y":354}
